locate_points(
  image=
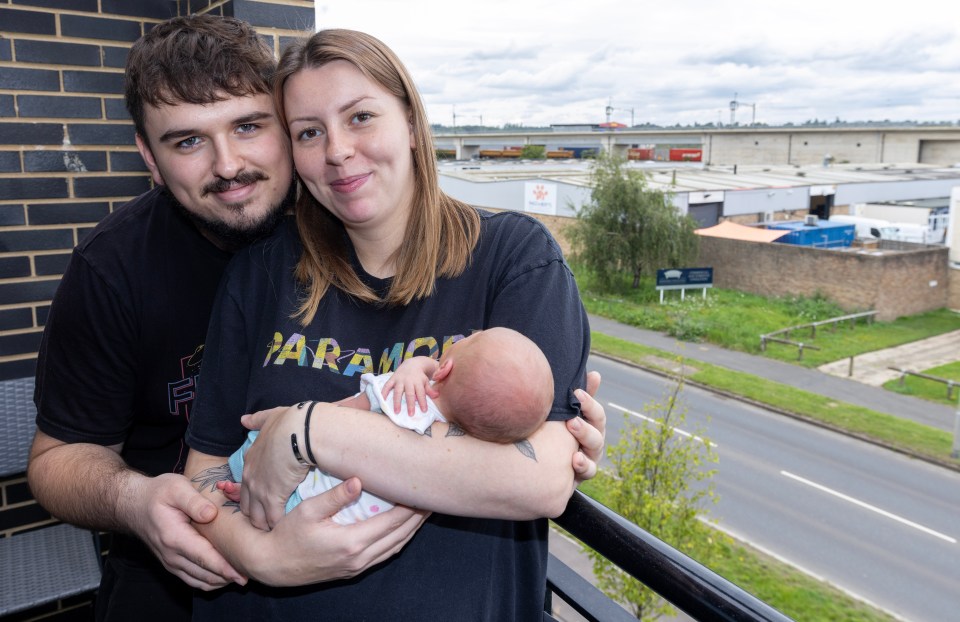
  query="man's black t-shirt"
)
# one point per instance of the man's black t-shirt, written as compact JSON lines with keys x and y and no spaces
{"x":258,"y":356}
{"x":122,"y":346}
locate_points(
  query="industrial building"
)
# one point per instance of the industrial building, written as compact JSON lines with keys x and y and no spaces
{"x":812,"y":255}
{"x":709,"y":193}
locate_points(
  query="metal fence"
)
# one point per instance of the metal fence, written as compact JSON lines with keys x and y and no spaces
{"x":691,"y":587}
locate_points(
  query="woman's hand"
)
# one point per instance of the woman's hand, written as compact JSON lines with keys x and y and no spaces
{"x":271,"y":472}
{"x":588,"y":430}
{"x":309,"y":547}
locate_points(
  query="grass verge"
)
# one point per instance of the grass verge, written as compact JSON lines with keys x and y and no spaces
{"x":790,"y":591}
{"x":930,"y":390}
{"x":899,"y":434}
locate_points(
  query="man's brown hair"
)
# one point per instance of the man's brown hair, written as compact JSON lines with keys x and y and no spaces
{"x":196,"y":59}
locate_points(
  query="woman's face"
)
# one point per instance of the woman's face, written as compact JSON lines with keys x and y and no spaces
{"x":352,"y":146}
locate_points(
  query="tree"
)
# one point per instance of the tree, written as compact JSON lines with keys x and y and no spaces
{"x":629,"y":227}
{"x":533,"y":152}
{"x":659,"y":482}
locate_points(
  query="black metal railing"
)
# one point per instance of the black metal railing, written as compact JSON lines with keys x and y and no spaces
{"x":688,"y":585}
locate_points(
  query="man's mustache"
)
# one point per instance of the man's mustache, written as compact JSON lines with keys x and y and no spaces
{"x":242,"y":179}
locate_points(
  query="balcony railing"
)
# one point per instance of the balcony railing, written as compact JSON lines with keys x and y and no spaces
{"x":688,"y":585}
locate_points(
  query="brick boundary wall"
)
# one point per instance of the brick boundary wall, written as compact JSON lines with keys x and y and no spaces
{"x":891,"y":281}
{"x":67,"y":154}
{"x":67,"y":159}
{"x":894,"y":284}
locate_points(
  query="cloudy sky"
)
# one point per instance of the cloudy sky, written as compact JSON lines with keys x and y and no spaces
{"x":536,"y":62}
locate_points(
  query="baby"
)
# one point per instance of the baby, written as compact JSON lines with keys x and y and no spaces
{"x":496,"y":385}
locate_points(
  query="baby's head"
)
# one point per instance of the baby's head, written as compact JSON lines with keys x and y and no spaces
{"x":499,"y":386}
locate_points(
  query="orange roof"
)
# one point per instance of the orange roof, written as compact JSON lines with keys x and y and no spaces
{"x":733,"y":231}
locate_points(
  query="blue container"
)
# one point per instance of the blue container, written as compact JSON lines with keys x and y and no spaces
{"x":819,"y":234}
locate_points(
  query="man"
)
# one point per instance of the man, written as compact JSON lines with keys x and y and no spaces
{"x":118,"y":364}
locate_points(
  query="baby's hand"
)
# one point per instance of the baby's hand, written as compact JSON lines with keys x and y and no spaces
{"x":411,"y":379}
{"x":230,"y":490}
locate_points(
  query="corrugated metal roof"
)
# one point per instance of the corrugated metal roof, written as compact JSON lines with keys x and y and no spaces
{"x":695,"y":177}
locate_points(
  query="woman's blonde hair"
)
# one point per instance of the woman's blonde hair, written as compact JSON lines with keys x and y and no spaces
{"x":441,"y":231}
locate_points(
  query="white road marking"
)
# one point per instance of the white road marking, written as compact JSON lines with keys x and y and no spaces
{"x":867,"y":506}
{"x":633,"y":413}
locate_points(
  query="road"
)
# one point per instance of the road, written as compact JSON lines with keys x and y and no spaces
{"x":877,"y":524}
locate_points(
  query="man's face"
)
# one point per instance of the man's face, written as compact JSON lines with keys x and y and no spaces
{"x":227,"y":163}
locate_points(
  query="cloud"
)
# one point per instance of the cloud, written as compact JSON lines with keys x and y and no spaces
{"x":545,"y":62}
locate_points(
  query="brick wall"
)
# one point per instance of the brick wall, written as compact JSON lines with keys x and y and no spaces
{"x":67,"y":155}
{"x":67,"y":159}
{"x":953,"y":298}
{"x":893,"y":283}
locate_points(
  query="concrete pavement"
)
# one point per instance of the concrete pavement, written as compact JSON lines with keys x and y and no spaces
{"x":873,"y":368}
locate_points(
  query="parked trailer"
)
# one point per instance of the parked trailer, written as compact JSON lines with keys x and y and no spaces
{"x":686,"y":155}
{"x":582,"y":152}
{"x":506,"y":152}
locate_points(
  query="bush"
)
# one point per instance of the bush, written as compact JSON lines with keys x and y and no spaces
{"x":533,"y":152}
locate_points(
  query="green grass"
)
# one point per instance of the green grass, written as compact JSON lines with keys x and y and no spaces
{"x":930,"y":389}
{"x":901,"y":434}
{"x":735,"y":320}
{"x":778,"y":584}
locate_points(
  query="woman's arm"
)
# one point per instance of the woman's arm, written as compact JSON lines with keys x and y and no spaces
{"x":308,"y":547}
{"x":442,"y":472}
{"x":447,"y":471}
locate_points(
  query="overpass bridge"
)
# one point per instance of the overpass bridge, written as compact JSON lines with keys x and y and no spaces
{"x":754,"y":145}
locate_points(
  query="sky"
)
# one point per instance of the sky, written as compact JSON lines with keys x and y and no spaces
{"x":537,"y":63}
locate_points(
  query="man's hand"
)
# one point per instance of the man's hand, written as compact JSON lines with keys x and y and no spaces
{"x":161,"y":510}
{"x":588,"y":430}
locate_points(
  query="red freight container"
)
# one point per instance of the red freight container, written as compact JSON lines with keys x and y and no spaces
{"x":686,"y":155}
{"x":639,"y":154}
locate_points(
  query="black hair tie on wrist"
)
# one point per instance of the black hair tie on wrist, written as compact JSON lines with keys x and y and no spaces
{"x":306,"y":434}
{"x":296,"y":450}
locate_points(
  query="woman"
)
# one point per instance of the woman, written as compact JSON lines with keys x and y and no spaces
{"x":382,"y":266}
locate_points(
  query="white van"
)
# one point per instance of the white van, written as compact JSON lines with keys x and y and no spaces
{"x":875,"y":228}
{"x":869,"y":228}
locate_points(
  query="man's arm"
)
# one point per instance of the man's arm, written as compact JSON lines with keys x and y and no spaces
{"x":307,"y":546}
{"x":91,"y":486}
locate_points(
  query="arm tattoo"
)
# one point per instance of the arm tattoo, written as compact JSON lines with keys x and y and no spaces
{"x":211,"y":476}
{"x":526,"y":448}
{"x":453,"y":430}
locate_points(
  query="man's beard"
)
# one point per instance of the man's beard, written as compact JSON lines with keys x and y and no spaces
{"x":232,"y":237}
